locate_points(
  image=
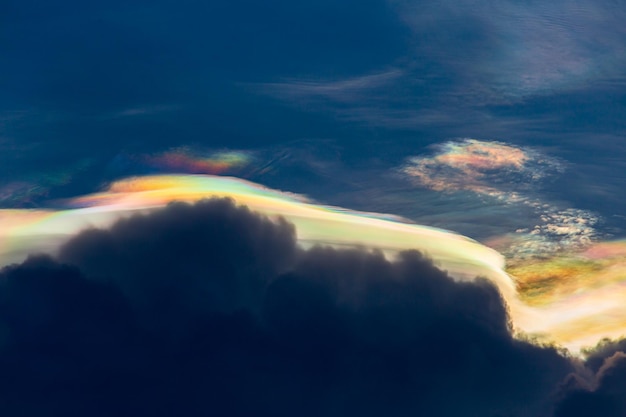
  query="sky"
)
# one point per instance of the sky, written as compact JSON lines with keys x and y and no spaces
{"x":412,"y":201}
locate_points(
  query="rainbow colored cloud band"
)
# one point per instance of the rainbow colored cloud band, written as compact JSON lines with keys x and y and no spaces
{"x":556,"y":300}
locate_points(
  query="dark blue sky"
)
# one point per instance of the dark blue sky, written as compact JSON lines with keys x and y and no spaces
{"x":379,"y":79}
{"x":163,"y":73}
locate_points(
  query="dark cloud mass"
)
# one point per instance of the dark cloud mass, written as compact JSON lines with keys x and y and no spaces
{"x":604,"y":397}
{"x":211,"y":309}
{"x":601,"y":390}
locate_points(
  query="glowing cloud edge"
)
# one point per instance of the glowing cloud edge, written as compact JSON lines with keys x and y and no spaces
{"x":26,"y":231}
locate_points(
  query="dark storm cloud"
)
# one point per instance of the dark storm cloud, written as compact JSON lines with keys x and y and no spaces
{"x":212,"y":309}
{"x":603,"y":395}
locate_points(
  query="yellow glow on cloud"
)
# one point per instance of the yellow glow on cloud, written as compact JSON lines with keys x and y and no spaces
{"x":315,"y":223}
{"x":581,"y":294}
{"x":576,"y":307}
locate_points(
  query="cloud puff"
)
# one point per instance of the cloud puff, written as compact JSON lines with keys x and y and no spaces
{"x":506,"y":174}
{"x":483,"y":167}
{"x":213,"y":309}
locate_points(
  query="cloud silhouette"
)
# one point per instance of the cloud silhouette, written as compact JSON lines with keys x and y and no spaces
{"x":604,"y":396}
{"x":212,"y":309}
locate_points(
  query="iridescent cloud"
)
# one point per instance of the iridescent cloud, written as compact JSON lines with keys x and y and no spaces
{"x":185,"y":161}
{"x":484,"y":167}
{"x":581,"y":294}
{"x":25,"y":231}
{"x":573,"y":301}
{"x":501,"y":173}
{"x":315,"y":223}
{"x":523,"y":49}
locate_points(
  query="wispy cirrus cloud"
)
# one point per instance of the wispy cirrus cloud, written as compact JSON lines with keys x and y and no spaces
{"x":520,"y":49}
{"x":340,"y":90}
{"x":467,"y":64}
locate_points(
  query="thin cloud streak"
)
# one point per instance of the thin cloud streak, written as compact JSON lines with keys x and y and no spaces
{"x":346,"y":90}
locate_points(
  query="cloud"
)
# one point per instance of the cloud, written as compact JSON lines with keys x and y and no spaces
{"x":499,"y":68}
{"x":213,"y":309}
{"x":33,"y":189}
{"x":183,"y":160}
{"x":346,"y":90}
{"x":543,"y":295}
{"x":502,"y":173}
{"x":606,"y":395}
{"x":581,"y":292}
{"x":515,"y":50}
{"x":480,"y":166}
